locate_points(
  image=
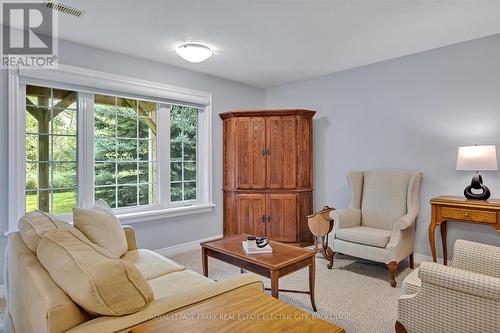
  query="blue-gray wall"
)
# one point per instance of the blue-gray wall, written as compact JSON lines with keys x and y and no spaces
{"x":227,"y":95}
{"x":411,"y":112}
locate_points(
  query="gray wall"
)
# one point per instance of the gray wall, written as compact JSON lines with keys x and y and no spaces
{"x":227,"y":95}
{"x":411,"y":112}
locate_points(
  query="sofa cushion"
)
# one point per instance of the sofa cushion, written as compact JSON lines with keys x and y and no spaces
{"x":151,"y":264}
{"x":99,"y":282}
{"x":411,"y":283}
{"x":101,"y":227}
{"x":384,"y":197}
{"x":33,"y":225}
{"x":176,"y":282}
{"x":364,"y":235}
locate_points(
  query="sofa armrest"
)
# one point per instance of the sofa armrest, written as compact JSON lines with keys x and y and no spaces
{"x":476,"y":257}
{"x":130,"y":235}
{"x":345,"y":218}
{"x":460,"y":280}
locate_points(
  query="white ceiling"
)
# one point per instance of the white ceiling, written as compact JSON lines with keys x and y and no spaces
{"x":271,"y":42}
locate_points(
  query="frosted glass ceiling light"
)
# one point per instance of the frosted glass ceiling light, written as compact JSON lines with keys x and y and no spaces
{"x":194,"y":52}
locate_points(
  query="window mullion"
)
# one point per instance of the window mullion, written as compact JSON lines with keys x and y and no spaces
{"x":204,"y":155}
{"x":163,"y":154}
{"x":182,"y":156}
{"x":17,"y":151}
{"x":137,"y":193}
{"x":85,"y":149}
{"x":51,"y":137}
{"x":116,"y":152}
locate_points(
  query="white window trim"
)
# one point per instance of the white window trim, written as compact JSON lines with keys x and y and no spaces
{"x":89,"y":81}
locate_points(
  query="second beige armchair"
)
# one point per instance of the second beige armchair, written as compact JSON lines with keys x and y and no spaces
{"x":379,"y":224}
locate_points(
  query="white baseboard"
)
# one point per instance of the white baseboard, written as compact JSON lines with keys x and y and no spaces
{"x":183,"y":248}
{"x":194,"y":245}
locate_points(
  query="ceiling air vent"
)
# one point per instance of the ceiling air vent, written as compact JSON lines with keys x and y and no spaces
{"x":63,"y":8}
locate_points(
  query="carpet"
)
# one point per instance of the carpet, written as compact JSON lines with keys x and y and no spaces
{"x":355,"y":294}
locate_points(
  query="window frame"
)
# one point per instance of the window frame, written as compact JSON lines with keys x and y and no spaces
{"x":80,"y":80}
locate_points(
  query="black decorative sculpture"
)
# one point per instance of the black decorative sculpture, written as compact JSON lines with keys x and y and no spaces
{"x":477,"y":184}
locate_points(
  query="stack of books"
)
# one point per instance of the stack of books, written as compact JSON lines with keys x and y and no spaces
{"x":257,"y":250}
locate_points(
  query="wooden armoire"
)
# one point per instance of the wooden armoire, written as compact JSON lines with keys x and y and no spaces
{"x":267,"y":183}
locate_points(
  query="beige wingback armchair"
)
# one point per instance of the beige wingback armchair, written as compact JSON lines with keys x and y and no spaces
{"x":379,"y":224}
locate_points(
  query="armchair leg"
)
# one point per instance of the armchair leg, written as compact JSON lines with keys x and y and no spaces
{"x":399,"y":328}
{"x":393,"y":266}
{"x":330,"y":254}
{"x":412,"y":261}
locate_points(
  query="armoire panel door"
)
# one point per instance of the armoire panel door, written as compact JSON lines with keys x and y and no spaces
{"x":251,"y":158}
{"x":251,"y":209}
{"x":282,"y":152}
{"x":289,"y":152}
{"x":274,"y":143}
{"x":282,"y":217}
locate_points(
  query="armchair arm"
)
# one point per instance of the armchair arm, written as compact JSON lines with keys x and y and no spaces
{"x":402,"y":238}
{"x":404,"y":222}
{"x":460,"y":280}
{"x":476,"y":257}
{"x":130,"y":235}
{"x":345,"y":218}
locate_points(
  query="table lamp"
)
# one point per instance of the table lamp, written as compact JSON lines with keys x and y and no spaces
{"x":477,"y":158}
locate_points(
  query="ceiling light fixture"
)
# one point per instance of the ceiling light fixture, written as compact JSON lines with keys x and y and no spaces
{"x":194,"y":52}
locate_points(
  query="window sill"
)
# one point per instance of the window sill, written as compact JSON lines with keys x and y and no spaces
{"x":159,"y":214}
{"x":148,"y":215}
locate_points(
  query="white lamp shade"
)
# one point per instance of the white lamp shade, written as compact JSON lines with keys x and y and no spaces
{"x":477,"y":158}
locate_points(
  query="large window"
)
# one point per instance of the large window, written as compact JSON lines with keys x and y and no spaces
{"x":138,"y":154}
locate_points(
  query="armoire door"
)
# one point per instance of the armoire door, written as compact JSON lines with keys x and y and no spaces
{"x":251,"y":213}
{"x":251,"y":153}
{"x":282,"y":217}
{"x":281,"y":143}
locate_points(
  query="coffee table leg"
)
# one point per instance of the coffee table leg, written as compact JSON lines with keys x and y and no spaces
{"x":312,"y":274}
{"x":274,"y":284}
{"x":204,"y":261}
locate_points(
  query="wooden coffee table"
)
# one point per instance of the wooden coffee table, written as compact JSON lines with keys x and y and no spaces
{"x":284,"y":260}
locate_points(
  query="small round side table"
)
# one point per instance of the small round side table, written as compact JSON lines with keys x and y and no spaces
{"x":320,"y":225}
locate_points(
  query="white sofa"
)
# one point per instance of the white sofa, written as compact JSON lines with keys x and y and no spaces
{"x":463,"y":297}
{"x":379,"y":224}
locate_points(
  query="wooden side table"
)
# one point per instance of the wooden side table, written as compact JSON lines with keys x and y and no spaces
{"x":320,"y":224}
{"x":452,"y":208}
